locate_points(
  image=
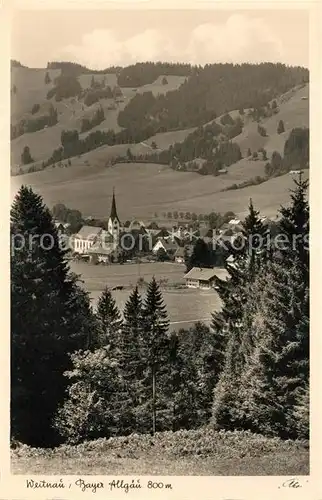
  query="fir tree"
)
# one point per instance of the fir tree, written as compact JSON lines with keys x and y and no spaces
{"x":155,"y":337}
{"x":132,"y":362}
{"x":48,"y":313}
{"x":250,"y":252}
{"x":279,"y":367}
{"x":201,"y":255}
{"x":181,"y":386}
{"x":109,"y":321}
{"x":280,"y":127}
{"x":26,"y":156}
{"x":260,"y":387}
{"x":294,"y":225}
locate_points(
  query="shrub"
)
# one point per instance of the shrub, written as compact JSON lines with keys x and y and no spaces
{"x":262,"y":131}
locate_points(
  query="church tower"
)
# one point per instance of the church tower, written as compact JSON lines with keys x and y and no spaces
{"x":114,"y":224}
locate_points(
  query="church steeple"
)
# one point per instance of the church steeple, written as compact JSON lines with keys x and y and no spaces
{"x":114,"y":224}
{"x":113,"y":215}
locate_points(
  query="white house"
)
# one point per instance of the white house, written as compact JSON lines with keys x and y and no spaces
{"x":85,"y":238}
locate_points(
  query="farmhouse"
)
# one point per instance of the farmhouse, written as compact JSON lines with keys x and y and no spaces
{"x":199,"y":277}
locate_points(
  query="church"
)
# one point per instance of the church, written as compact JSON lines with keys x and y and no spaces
{"x":97,"y":243}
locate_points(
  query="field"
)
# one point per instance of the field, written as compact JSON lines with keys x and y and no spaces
{"x":184,"y":306}
{"x":145,"y":189}
{"x":201,"y":452}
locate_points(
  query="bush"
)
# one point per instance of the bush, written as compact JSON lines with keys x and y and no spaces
{"x":262,"y":131}
{"x":95,"y":95}
{"x":280,"y":127}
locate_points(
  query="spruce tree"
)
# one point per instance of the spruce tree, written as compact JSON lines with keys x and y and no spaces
{"x":26,"y":156}
{"x":155,"y":339}
{"x":279,"y":367}
{"x":280,"y":127}
{"x":109,"y":321}
{"x":47,"y":320}
{"x":181,"y":388}
{"x":264,"y":394}
{"x":132,"y":362}
{"x":201,"y":255}
{"x":250,"y":253}
{"x":294,"y":225}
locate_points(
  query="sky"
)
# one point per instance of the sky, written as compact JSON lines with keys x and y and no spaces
{"x":102,"y":38}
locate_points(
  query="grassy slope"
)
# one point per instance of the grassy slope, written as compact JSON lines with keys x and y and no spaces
{"x":201,"y":452}
{"x":143,"y":189}
{"x":293,"y":110}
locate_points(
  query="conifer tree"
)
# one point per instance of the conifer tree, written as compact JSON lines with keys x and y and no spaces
{"x":250,"y":252}
{"x":201,"y":255}
{"x":49,"y":319}
{"x":294,"y":224}
{"x":132,"y":362}
{"x":26,"y":156}
{"x":181,"y":388}
{"x":280,"y":127}
{"x":279,"y":367}
{"x":109,"y":321}
{"x":155,"y":338}
{"x":272,"y":355}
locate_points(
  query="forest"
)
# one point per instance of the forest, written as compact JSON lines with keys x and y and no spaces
{"x":79,"y":374}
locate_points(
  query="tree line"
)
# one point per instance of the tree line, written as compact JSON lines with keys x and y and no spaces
{"x":80,"y":374}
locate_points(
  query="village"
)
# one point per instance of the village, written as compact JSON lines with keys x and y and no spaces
{"x":128,"y":254}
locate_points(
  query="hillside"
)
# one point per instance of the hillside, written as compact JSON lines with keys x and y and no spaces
{"x":151,"y":188}
{"x":170,"y":102}
{"x":32,"y":89}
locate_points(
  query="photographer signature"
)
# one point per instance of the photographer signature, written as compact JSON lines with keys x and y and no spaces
{"x":293,"y":482}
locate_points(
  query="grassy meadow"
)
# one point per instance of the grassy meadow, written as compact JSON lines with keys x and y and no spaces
{"x":184,"y":306}
{"x":200,"y":452}
{"x":145,"y":189}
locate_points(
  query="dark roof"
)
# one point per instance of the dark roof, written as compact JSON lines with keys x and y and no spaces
{"x":113,"y":215}
{"x":88,"y":232}
{"x":205,"y":274}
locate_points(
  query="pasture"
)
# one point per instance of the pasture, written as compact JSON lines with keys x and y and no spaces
{"x":184,"y":306}
{"x":145,"y":189}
